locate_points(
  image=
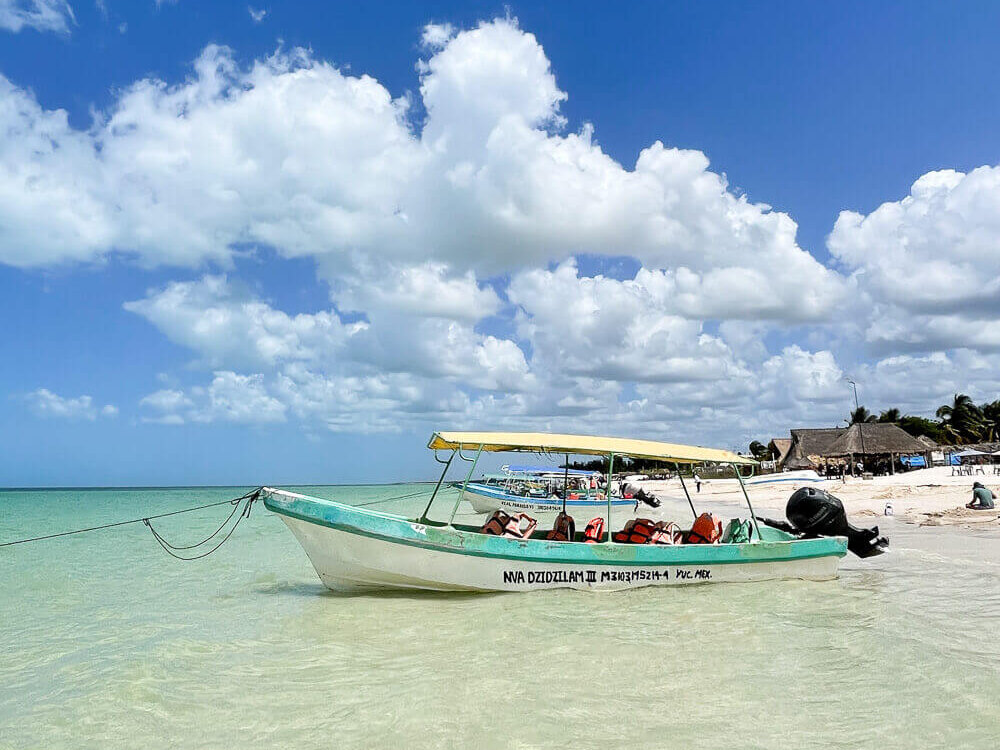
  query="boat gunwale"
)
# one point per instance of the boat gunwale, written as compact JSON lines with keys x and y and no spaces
{"x":827,"y":546}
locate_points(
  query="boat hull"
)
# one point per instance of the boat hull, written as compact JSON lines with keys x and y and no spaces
{"x":354,"y":549}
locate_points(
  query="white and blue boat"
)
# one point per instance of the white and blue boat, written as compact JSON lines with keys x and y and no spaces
{"x":539,"y":489}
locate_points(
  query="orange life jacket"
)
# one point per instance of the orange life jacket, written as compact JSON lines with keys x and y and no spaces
{"x":594,"y":531}
{"x":706,"y":529}
{"x":636,"y":531}
{"x":667,"y":532}
{"x":563,"y":530}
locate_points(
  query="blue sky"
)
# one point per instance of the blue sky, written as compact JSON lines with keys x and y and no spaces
{"x":285,"y":248}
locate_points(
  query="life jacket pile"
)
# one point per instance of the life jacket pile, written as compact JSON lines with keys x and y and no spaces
{"x":563,"y":529}
{"x":667,"y":532}
{"x":636,"y":531}
{"x":594,"y":531}
{"x":517,"y":526}
{"x":645,"y":531}
{"x":706,"y":529}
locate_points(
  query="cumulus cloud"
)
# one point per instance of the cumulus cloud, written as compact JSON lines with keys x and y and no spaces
{"x":227,"y":326}
{"x":42,"y":15}
{"x":293,"y":153}
{"x":230,"y":397}
{"x":928,"y":263}
{"x":450,"y":248}
{"x":45,"y":403}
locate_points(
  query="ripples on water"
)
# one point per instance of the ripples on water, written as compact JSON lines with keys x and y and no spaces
{"x":110,"y":643}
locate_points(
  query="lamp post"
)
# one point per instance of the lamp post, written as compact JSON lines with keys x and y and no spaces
{"x":861,"y":429}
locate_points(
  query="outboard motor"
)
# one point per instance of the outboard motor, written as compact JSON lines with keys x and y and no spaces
{"x":641,"y":496}
{"x":814,"y":512}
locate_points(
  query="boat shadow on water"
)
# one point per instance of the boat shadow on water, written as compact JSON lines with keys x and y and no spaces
{"x":310,"y":590}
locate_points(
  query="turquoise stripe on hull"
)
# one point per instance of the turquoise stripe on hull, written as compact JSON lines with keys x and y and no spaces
{"x":776,"y":547}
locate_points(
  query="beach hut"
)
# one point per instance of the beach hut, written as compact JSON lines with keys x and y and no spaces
{"x":819,"y":448}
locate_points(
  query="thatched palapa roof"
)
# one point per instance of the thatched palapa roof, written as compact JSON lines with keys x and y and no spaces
{"x":808,"y":446}
{"x":875,"y":437}
{"x":780,"y":446}
{"x":928,"y":442}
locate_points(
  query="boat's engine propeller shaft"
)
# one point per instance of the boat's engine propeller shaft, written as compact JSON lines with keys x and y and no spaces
{"x":814,"y":512}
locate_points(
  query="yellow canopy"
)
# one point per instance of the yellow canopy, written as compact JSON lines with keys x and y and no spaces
{"x":540,"y":442}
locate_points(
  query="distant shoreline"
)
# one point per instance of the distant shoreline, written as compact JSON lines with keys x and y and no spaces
{"x":96,"y":488}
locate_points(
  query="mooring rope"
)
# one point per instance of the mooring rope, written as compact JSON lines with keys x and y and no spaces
{"x":251,"y":497}
{"x":133,"y":520}
{"x":171,"y":549}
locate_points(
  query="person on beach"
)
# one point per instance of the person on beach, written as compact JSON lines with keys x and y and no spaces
{"x":697,"y":483}
{"x":982,"y":498}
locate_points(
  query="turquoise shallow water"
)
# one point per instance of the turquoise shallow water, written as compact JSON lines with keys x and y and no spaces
{"x":109,"y":643}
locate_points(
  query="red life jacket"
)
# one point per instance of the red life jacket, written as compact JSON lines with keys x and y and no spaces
{"x":667,"y":532}
{"x":706,"y":529}
{"x":563,"y":530}
{"x":636,"y":531}
{"x":594,"y":531}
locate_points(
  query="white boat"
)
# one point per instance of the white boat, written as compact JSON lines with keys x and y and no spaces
{"x":359,"y":548}
{"x":538,"y":489}
{"x":804,"y":476}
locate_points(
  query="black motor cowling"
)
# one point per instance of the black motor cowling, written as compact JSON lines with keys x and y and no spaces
{"x":644,"y":497}
{"x":814,"y":512}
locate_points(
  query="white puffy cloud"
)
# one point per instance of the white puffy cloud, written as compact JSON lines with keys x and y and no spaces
{"x":436,"y":35}
{"x":928,"y":263}
{"x":230,"y":397}
{"x":617,"y":330}
{"x":423,"y":290}
{"x":45,"y":403}
{"x":227,"y":326}
{"x":42,"y":15}
{"x":452,"y":243}
{"x":52,"y":207}
{"x":292,"y":153}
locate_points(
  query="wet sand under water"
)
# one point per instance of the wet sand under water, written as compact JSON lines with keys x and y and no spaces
{"x":110,"y":643}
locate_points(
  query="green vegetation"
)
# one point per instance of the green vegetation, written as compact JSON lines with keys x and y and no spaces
{"x":958,"y":423}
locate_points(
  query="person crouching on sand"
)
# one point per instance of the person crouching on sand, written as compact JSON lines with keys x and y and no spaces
{"x":982,"y":498}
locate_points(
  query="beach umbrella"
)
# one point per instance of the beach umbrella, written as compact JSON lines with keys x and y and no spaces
{"x":970,"y":452}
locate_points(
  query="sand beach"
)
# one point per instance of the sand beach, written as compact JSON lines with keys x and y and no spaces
{"x":924,"y":497}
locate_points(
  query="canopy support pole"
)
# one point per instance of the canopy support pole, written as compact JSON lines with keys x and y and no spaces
{"x":607,"y":490}
{"x":468,"y":476}
{"x":447,"y":464}
{"x":566,"y":485}
{"x":753,"y":516}
{"x":685,"y":488}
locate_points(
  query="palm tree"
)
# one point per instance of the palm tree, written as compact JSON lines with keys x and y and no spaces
{"x":962,"y":419}
{"x":991,"y":420}
{"x":861,"y":414}
{"x":890,"y":415}
{"x":758,"y":450}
